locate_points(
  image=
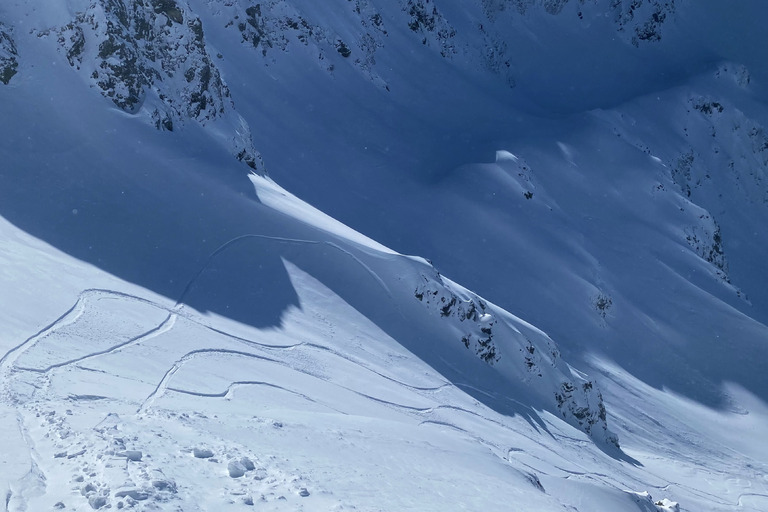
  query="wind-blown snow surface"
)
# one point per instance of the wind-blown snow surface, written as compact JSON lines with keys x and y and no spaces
{"x":172,"y":341}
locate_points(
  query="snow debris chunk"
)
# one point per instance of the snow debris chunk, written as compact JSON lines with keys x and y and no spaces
{"x":133,"y":492}
{"x":96,"y":502}
{"x":202,"y":453}
{"x":132,"y":455}
{"x":236,"y":469}
{"x":165,"y":485}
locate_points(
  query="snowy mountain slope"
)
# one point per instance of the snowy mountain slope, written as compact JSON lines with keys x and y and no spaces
{"x":369,"y":138}
{"x":305,"y":361}
{"x":135,"y":422}
{"x":73,"y":188}
{"x":289,"y":417}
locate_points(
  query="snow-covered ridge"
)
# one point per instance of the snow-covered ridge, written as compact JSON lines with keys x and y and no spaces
{"x":491,"y":335}
{"x":523,"y":356}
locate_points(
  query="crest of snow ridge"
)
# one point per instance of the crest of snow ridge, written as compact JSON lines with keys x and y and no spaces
{"x":150,"y":56}
{"x":8,"y":56}
{"x":483,"y":330}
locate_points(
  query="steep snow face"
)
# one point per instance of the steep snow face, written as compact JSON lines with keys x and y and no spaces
{"x":522,"y":358}
{"x":506,"y":42}
{"x":150,"y":58}
{"x":717,"y":156}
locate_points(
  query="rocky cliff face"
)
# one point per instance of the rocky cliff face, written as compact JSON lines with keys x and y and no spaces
{"x":150,"y":58}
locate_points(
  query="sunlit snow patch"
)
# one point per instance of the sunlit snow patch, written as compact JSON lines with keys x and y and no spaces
{"x":502,"y":155}
{"x":276,"y":197}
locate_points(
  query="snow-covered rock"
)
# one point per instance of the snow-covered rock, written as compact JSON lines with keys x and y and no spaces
{"x":8,"y":56}
{"x":491,"y":335}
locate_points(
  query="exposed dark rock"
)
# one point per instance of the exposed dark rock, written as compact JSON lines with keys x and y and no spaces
{"x":343,"y":49}
{"x":643,"y":19}
{"x":426,"y":20}
{"x":706,"y":106}
{"x":681,"y":172}
{"x":9,"y":62}
{"x":585,"y":406}
{"x":478,"y":327}
{"x":706,"y":240}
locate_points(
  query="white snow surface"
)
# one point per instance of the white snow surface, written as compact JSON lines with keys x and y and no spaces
{"x":180,"y":333}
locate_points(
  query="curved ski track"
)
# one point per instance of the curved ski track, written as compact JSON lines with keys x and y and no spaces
{"x":267,"y":352}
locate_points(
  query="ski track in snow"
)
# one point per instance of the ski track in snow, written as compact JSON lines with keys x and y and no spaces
{"x":281,"y":240}
{"x":360,"y":262}
{"x":69,"y":317}
{"x":761,"y":497}
{"x":96,"y":491}
{"x":75,"y":445}
{"x":324,"y":348}
{"x":86,"y":299}
{"x":165,"y":326}
{"x":237,"y":384}
{"x":162,"y":386}
{"x":286,"y":356}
